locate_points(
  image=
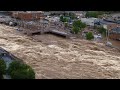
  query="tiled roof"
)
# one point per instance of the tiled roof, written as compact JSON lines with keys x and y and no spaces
{"x":116,"y":30}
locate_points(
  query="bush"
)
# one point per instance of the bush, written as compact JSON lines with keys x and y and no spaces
{"x":76,"y":30}
{"x":63,"y":19}
{"x":2,"y":67}
{"x":94,"y":14}
{"x":79,"y":24}
{"x":18,"y":70}
{"x":89,"y":36}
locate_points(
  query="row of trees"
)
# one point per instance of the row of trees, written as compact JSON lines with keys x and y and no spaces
{"x":94,"y":14}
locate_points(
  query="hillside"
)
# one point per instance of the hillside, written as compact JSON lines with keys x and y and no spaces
{"x":53,"y":57}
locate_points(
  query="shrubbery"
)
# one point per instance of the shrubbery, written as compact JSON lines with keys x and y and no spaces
{"x":77,"y":26}
{"x":19,"y":70}
{"x":94,"y":14}
{"x":64,"y":19}
{"x":89,"y":36}
{"x":76,"y":30}
{"x":2,"y":67}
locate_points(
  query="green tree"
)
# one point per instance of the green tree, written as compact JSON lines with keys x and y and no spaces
{"x":2,"y":67}
{"x":77,"y":26}
{"x":19,"y":70}
{"x":76,"y":30}
{"x":63,"y":19}
{"x":94,"y":14}
{"x":89,"y":36}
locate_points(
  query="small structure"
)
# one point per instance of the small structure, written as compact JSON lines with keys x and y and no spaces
{"x":98,"y":37}
{"x":115,"y":33}
{"x":29,"y":15}
{"x":88,"y":21}
{"x":106,"y":24}
{"x":52,"y":19}
{"x":80,"y":15}
{"x":5,"y":19}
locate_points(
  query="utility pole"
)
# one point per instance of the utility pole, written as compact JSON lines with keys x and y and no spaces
{"x":107,"y":34}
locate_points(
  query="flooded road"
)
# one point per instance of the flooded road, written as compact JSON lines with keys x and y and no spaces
{"x":53,"y":57}
{"x":115,"y":43}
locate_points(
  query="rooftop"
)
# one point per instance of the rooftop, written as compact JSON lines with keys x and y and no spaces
{"x":116,"y":30}
{"x":102,"y":22}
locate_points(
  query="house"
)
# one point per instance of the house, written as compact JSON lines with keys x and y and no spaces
{"x":52,"y":19}
{"x":106,"y":24}
{"x":115,"y":16}
{"x":115,"y":33}
{"x":88,"y":21}
{"x":80,"y":14}
{"x":28,"y":15}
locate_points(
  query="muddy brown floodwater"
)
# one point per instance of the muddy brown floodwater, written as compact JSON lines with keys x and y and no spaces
{"x":115,"y":43}
{"x":54,"y":57}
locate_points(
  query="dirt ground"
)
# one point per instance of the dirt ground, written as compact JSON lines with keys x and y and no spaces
{"x":54,"y":57}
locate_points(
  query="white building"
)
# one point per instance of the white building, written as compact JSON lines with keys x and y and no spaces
{"x":88,"y":21}
{"x":53,"y":19}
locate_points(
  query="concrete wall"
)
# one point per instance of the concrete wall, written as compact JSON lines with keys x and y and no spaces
{"x":111,"y":26}
{"x":114,"y":36}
